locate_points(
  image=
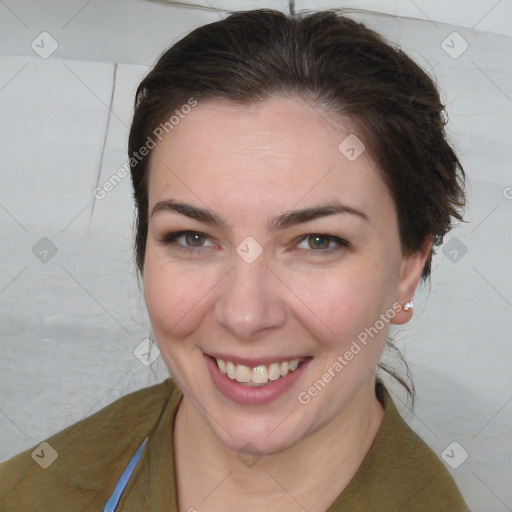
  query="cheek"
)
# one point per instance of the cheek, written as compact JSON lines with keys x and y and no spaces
{"x":174,"y":296}
{"x":337,"y":306}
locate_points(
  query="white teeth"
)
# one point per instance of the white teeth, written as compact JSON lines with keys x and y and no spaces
{"x":243,"y":373}
{"x":273,"y":371}
{"x":230,"y":367}
{"x":222,"y":366}
{"x":259,"y":375}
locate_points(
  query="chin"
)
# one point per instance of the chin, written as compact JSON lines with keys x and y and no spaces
{"x":265,"y":437}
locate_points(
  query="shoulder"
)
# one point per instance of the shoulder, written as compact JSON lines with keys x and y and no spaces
{"x":401,"y":472}
{"x":420,"y":475}
{"x":85,"y":455}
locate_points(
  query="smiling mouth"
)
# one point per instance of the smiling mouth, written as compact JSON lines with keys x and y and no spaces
{"x":258,"y":375}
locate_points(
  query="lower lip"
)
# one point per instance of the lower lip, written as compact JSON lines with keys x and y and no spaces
{"x":248,"y":395}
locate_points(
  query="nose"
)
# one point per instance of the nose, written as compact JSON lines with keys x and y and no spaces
{"x":250,"y":300}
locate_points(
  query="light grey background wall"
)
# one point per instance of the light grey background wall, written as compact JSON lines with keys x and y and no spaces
{"x":72,"y":320}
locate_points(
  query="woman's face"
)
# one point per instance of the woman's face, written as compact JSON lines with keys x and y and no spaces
{"x":289,"y":249}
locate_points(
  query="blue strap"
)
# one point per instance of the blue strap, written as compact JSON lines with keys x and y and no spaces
{"x":112,"y":502}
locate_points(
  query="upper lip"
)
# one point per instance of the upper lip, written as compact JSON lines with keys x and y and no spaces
{"x":254,"y":362}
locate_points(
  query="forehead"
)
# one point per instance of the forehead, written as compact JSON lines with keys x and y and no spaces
{"x":275,"y":154}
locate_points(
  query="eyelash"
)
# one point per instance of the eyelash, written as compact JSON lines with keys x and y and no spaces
{"x":171,"y":238}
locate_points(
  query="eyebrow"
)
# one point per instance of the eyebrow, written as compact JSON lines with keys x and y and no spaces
{"x":193,"y":212}
{"x":280,"y":222}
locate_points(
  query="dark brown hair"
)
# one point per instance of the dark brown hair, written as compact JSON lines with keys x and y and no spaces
{"x":330,"y":61}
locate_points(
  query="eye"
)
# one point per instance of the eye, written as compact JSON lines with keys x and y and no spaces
{"x":322,"y":243}
{"x":186,"y":240}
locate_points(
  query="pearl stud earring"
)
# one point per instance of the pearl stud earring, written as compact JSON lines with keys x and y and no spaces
{"x":408,"y":306}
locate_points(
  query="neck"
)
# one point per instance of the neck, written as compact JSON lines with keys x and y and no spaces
{"x":313,"y":472}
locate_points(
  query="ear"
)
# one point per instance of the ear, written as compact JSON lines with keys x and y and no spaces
{"x":410,"y":274}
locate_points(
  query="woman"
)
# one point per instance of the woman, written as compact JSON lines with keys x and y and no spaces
{"x":292,"y":179}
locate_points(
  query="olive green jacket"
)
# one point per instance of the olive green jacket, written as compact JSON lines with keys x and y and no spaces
{"x":399,"y":473}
